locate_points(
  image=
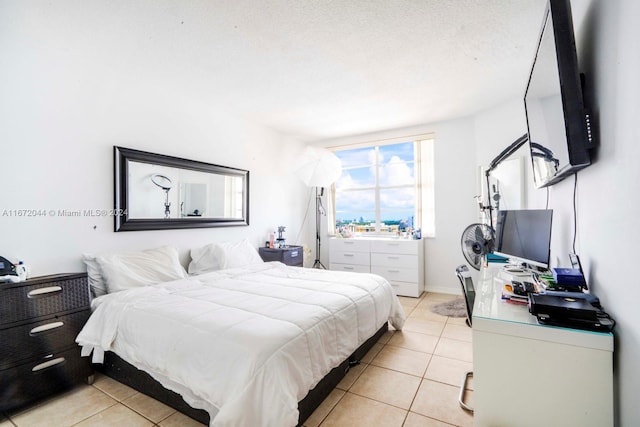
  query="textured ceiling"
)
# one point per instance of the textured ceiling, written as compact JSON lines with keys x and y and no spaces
{"x":323,"y":69}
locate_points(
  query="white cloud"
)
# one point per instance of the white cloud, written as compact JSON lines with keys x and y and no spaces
{"x":396,"y":172}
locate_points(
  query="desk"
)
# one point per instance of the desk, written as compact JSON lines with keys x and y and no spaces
{"x":528,"y":374}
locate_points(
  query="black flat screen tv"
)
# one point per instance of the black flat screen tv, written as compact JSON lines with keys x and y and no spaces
{"x":558,"y":125}
{"x":524,"y":236}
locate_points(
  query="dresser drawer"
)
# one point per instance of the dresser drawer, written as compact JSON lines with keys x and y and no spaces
{"x":406,"y":289}
{"x":45,"y":336}
{"x":355,"y":258}
{"x":42,"y":297}
{"x":42,"y":376}
{"x":353,"y":268}
{"x":350,"y":245}
{"x":396,"y":246}
{"x":397,"y":273}
{"x":394,"y":260}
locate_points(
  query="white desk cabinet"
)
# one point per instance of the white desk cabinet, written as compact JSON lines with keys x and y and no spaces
{"x":399,"y":261}
{"x":528,"y":374}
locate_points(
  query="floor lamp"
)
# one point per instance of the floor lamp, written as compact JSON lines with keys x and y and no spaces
{"x":319,"y":212}
{"x":319,"y":168}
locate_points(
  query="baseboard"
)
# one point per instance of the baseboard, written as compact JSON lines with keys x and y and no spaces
{"x":442,"y":290}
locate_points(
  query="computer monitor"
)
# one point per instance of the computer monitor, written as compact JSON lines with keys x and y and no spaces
{"x":524,"y":236}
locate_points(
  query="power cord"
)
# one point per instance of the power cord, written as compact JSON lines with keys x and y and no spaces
{"x":575,"y":211}
{"x":304,"y":219}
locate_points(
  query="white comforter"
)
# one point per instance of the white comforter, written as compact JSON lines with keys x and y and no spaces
{"x":244,"y":344}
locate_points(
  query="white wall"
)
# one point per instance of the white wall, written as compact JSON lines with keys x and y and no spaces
{"x":608,"y":196}
{"x":69,"y":94}
{"x":455,"y":189}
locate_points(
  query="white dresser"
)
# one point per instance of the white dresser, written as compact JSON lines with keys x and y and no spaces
{"x":399,"y":261}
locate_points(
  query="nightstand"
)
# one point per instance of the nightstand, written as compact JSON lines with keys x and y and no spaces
{"x":39,"y":321}
{"x":289,"y":255}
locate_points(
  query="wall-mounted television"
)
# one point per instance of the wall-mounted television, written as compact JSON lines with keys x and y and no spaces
{"x":558,"y":125}
{"x":524,"y":236}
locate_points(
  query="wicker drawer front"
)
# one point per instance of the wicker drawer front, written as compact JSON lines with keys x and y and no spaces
{"x":45,"y":336}
{"x":41,"y":377}
{"x":293,"y":257}
{"x":18,"y":303}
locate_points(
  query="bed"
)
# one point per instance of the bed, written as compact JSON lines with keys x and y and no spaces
{"x":256,"y":345}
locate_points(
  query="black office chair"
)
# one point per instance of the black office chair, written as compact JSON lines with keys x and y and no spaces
{"x":468,"y":290}
{"x":469,"y":293}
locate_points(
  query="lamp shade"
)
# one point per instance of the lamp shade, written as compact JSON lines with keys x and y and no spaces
{"x":318,"y":167}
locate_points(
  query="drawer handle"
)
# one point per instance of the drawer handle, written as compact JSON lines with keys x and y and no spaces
{"x":393,"y":257}
{"x":44,"y":328}
{"x":349,"y":255}
{"x":393,"y":271}
{"x":348,"y":268}
{"x":346,"y":242}
{"x":44,"y":291}
{"x":48,"y":364}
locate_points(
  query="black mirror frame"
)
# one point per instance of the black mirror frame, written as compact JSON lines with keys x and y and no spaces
{"x":124,"y":223}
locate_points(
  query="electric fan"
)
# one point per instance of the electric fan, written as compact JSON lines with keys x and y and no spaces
{"x":477,"y":241}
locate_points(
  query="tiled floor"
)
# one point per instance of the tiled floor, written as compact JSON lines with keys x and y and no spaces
{"x":409,"y":378}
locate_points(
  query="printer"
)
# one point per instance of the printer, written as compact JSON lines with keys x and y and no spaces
{"x":570,"y":309}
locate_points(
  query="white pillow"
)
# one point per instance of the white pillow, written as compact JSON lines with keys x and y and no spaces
{"x":126,"y":270}
{"x":206,"y":258}
{"x":240,"y":254}
{"x":96,"y":281}
{"x":218,"y":256}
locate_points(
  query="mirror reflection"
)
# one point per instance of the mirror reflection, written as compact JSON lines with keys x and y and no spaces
{"x":166,"y":192}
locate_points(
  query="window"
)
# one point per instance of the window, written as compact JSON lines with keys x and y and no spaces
{"x":381,"y":188}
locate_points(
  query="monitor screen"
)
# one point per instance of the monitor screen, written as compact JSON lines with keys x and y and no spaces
{"x":525,"y":235}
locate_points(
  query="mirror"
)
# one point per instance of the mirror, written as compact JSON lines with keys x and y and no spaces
{"x":154,"y":191}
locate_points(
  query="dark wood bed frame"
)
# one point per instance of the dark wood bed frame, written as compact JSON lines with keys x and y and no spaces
{"x":116,"y":368}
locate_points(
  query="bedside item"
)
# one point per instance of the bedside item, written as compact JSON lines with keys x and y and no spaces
{"x":8,"y":271}
{"x":22,"y":270}
{"x":289,"y":255}
{"x":280,"y":240}
{"x":39,"y":321}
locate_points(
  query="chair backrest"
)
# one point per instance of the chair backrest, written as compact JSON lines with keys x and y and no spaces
{"x":468,"y":289}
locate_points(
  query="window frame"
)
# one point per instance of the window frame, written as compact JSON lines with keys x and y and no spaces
{"x":422,"y":150}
